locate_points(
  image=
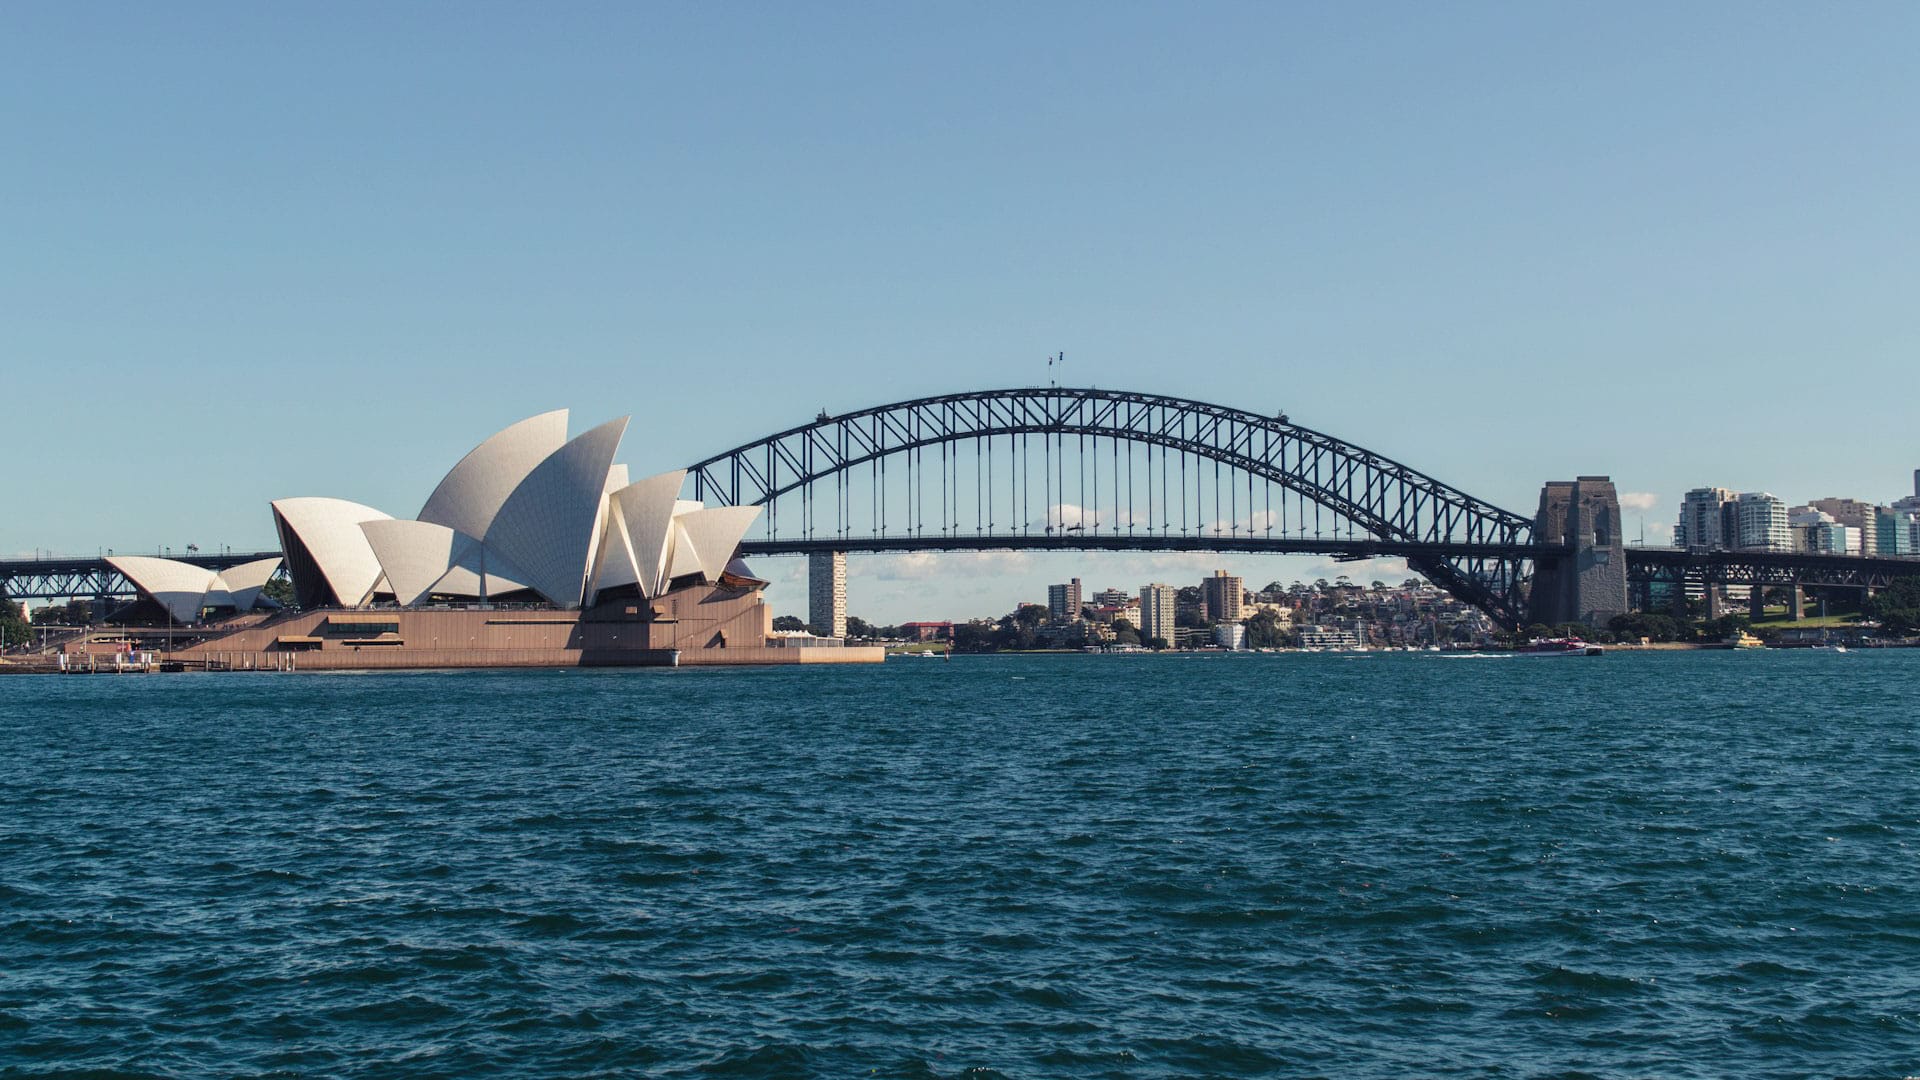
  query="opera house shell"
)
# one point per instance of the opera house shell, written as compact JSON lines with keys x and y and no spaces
{"x":598,"y":568}
{"x":528,"y":515}
{"x":185,"y":591}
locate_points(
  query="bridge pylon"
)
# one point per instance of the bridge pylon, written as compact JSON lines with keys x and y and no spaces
{"x":1589,"y":585}
{"x":827,"y":593}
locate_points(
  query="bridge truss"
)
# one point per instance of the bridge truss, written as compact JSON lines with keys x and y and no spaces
{"x":1062,"y":468}
{"x":1682,"y":566}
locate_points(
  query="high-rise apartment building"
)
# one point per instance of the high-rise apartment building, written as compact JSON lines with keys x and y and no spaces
{"x":1703,"y":519}
{"x":1112,"y":598}
{"x":1223,"y":597}
{"x":1063,"y":602}
{"x":1854,"y":514}
{"x":1894,"y":531}
{"x":1156,"y":612}
{"x":1761,"y":522}
{"x":1833,"y":538}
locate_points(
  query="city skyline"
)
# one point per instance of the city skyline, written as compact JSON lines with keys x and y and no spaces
{"x":1502,"y":245}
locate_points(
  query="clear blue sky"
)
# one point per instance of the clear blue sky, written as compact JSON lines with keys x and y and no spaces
{"x":250,"y":251}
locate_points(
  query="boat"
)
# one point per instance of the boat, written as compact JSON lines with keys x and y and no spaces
{"x":1559,"y":646}
{"x":1740,"y":639}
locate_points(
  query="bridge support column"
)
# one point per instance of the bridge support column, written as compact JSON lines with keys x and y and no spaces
{"x":1757,"y":603}
{"x":1713,"y":601}
{"x":827,"y":593}
{"x":1590,"y":585}
{"x":1797,"y":603}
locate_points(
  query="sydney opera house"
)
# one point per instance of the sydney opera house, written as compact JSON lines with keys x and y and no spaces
{"x":535,"y":550}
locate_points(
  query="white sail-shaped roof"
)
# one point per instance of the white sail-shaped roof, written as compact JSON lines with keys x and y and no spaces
{"x":415,"y":554}
{"x":472,"y":493}
{"x":646,"y":509}
{"x":715,"y":534}
{"x":613,"y":556}
{"x":464,"y":579}
{"x":179,"y":587}
{"x":329,"y":529}
{"x":546,"y":526}
{"x":245,"y":582}
{"x":682,"y":559}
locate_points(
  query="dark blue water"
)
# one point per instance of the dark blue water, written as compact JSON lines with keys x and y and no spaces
{"x":1406,"y":865}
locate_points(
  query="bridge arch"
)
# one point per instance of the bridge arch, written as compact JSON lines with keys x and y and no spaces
{"x":811,"y":472}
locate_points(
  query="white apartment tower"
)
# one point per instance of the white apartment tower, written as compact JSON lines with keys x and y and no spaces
{"x":1156,"y":612}
{"x":1761,"y":522}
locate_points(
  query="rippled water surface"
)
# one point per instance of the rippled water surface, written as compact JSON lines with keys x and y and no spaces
{"x":1395,"y":865}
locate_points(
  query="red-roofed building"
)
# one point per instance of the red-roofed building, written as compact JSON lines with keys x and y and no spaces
{"x":928,"y":631}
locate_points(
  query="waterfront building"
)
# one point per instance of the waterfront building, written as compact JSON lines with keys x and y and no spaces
{"x":1063,"y":602}
{"x":1191,"y":637}
{"x":1157,"y":604}
{"x":1283,"y":612}
{"x":1853,"y":513}
{"x":1703,"y":518}
{"x":528,"y":515}
{"x":1330,"y":637}
{"x":1801,"y":521}
{"x":1108,"y":614}
{"x":1761,"y":522}
{"x":596,"y":569}
{"x":1231,"y":636}
{"x":1831,"y":538}
{"x":927,"y":631}
{"x":1894,"y":531}
{"x":1223,"y":597}
{"x":182,"y":592}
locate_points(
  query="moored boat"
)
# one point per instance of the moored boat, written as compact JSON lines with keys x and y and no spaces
{"x":1560,"y":646}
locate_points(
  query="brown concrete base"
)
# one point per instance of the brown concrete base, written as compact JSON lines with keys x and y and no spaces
{"x":696,"y":626}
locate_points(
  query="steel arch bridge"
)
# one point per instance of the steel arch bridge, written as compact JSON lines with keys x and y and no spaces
{"x":1082,"y":469}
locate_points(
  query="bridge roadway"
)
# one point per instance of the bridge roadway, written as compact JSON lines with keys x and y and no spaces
{"x":61,"y":576}
{"x":1075,"y":540}
{"x":1724,"y":567}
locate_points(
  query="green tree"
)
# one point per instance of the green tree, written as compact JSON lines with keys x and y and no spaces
{"x":1653,"y":626}
{"x":1725,"y":626}
{"x":860,"y":628}
{"x":279,"y":589}
{"x":14,"y":629}
{"x":1897,"y":607}
{"x":789,"y":622}
{"x":1266,"y":630}
{"x":1125,"y":633}
{"x":972,"y":637}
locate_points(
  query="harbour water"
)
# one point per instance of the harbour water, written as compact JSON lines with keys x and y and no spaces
{"x":1691,"y":864}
